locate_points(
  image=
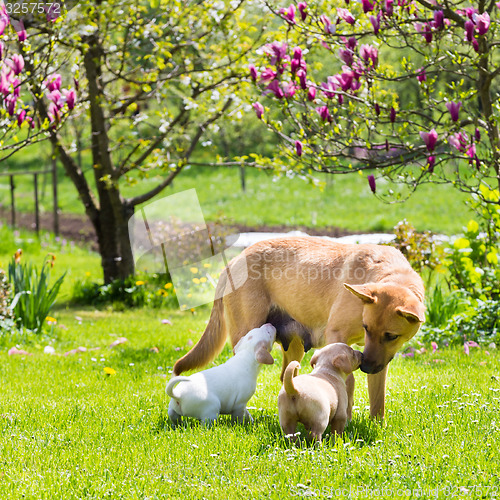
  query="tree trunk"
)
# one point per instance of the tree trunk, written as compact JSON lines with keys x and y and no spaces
{"x":114,"y":244}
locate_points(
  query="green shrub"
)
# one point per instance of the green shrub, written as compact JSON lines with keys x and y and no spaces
{"x":153,"y":291}
{"x":479,"y":322}
{"x":33,"y":296}
{"x":441,"y":306}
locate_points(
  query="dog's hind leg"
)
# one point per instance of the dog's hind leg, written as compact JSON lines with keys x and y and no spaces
{"x":173,"y":416}
{"x":295,"y":352}
{"x":241,"y":415}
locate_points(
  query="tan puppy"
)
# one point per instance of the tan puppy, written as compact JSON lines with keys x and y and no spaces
{"x":326,"y":292}
{"x":320,"y":398}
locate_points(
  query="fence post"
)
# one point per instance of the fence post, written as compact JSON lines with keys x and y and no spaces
{"x":12,"y":202}
{"x":54,"y":192}
{"x":37,"y":208}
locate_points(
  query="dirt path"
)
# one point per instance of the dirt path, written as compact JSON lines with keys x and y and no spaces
{"x":79,"y":229}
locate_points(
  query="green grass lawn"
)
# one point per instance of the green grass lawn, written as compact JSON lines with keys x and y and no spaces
{"x":68,"y":430}
{"x":345,"y":202}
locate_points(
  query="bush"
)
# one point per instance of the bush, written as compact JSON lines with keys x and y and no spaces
{"x":479,"y":322}
{"x":155,"y":291}
{"x":33,"y":297}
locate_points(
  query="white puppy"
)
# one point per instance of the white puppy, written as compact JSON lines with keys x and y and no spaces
{"x":225,"y":388}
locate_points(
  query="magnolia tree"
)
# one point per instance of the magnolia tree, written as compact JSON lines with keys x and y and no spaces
{"x":21,"y":119}
{"x":404,"y":89}
{"x":151,"y":78}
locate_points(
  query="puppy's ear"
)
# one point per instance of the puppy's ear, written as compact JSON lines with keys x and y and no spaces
{"x":363,"y":292}
{"x":262,"y":355}
{"x":314,"y":359}
{"x":342,"y":362}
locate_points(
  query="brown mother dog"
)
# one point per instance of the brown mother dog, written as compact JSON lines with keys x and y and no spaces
{"x":317,"y":292}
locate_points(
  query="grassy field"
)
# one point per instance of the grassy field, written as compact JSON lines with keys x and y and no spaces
{"x":68,"y":430}
{"x":346,"y":201}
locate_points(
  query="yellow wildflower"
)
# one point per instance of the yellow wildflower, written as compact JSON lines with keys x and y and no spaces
{"x":203,"y":280}
{"x":50,"y":320}
{"x":194,"y":270}
{"x":109,"y":371}
{"x":168,"y":286}
{"x":207,"y":264}
{"x":196,"y":281}
{"x":139,"y":283}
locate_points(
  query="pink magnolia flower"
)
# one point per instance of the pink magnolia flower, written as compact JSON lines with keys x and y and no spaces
{"x":302,"y":8}
{"x":275,"y":88}
{"x":297,"y":53}
{"x":70,"y":97}
{"x":1,"y":49}
{"x":298,"y":64}
{"x":16,"y":84}
{"x":253,"y":72}
{"x":475,"y":45}
{"x":369,"y":53}
{"x":469,"y":30}
{"x":276,"y":51}
{"x":289,"y":89}
{"x":431,"y":161}
{"x":298,"y":148}
{"x":21,"y":115}
{"x":4,"y":22}
{"x":430,"y":139}
{"x":346,"y":16}
{"x":377,"y":108}
{"x":453,"y":108}
{"x":367,"y":6}
{"x":329,"y":27}
{"x":5,"y":83}
{"x":330,"y":87}
{"x":389,"y":7}
{"x":347,"y":56}
{"x":56,"y":97}
{"x":324,"y":112}
{"x":10,"y":104}
{"x":259,"y":109}
{"x":267,"y":75}
{"x":471,"y":151}
{"x":301,"y":74}
{"x":477,"y":135}
{"x":421,"y":75}
{"x":16,"y":63}
{"x":375,"y":23}
{"x":351,"y":43}
{"x":392,"y":115}
{"x":311,"y":93}
{"x":459,"y":141}
{"x":53,"y":113}
{"x":289,"y":15}
{"x":482,"y":23}
{"x":53,"y":82}
{"x":438,"y":20}
{"x":372,"y":183}
{"x":21,"y":32}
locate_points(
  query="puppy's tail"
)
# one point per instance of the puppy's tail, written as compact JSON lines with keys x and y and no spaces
{"x":172,"y":383}
{"x":211,"y":342}
{"x":290,"y":372}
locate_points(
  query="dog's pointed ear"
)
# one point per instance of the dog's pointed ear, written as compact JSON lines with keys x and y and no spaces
{"x":412,"y":314}
{"x":314,"y":358}
{"x":262,"y":355}
{"x":363,"y":292}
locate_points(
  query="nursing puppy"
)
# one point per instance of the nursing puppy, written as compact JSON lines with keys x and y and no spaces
{"x":226,"y":388}
{"x":320,"y":398}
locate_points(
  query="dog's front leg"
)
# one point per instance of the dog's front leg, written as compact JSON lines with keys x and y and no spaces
{"x":376,"y":393}
{"x":349,"y":385}
{"x":295,"y":352}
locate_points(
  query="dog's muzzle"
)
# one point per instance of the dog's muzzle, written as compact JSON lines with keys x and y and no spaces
{"x":371,"y":368}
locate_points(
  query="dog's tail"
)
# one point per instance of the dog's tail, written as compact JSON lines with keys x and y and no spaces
{"x":291,"y":371}
{"x":210,"y":344}
{"x":172,"y":383}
